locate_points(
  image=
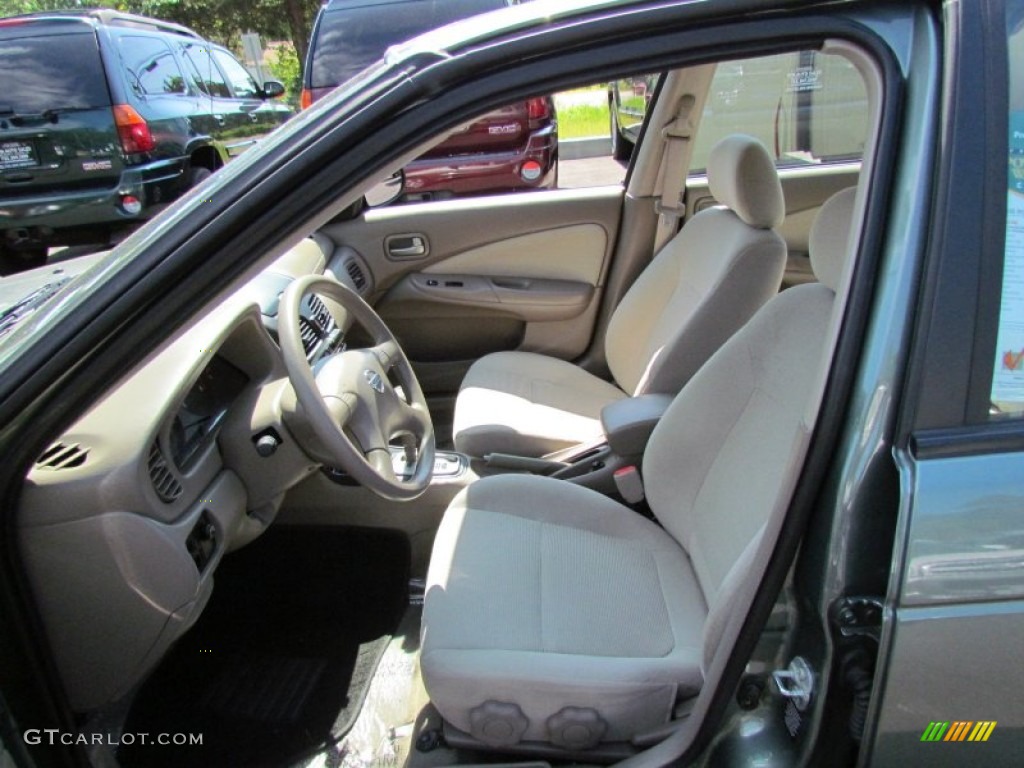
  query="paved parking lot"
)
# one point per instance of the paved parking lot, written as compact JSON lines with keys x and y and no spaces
{"x":589,"y":172}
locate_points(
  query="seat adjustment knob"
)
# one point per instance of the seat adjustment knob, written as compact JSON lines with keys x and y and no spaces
{"x":576,"y":728}
{"x":497,"y":723}
{"x":266,"y":445}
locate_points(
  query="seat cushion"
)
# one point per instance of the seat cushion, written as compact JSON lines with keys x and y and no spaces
{"x":546,"y":595}
{"x":528,"y":405}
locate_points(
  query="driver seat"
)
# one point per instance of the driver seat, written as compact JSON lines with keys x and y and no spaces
{"x":556,"y":615}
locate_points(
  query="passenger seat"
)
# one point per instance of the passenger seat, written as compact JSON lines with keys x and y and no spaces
{"x":706,"y":282}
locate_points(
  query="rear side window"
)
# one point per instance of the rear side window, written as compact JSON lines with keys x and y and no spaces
{"x":241,"y":81}
{"x":203,"y":72}
{"x":1007,"y":395}
{"x":150,"y":66}
{"x":51,"y":72}
{"x":350,"y":39}
{"x":806,"y":107}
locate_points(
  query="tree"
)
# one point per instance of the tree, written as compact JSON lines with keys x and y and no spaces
{"x":285,"y":66}
{"x":222,"y":21}
{"x":300,"y":15}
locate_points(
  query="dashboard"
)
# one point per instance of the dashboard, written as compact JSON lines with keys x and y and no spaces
{"x":162,"y":476}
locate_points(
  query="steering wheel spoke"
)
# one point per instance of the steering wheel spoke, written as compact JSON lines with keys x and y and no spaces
{"x":388,"y":353}
{"x":413,"y":419}
{"x":342,"y":407}
{"x":382,"y":463}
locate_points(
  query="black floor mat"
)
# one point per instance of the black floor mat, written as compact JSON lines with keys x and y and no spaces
{"x":281,"y":659}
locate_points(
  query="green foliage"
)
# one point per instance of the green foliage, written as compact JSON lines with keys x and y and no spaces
{"x":583,"y":121}
{"x":14,"y":7}
{"x":286,"y":67}
{"x":222,"y":21}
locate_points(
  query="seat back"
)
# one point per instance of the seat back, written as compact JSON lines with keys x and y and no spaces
{"x":722,"y":462}
{"x":708,"y":280}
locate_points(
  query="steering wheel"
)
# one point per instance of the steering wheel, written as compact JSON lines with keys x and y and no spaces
{"x":349,"y":401}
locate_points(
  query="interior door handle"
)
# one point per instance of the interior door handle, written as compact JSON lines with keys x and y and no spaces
{"x":412,"y":250}
{"x":406,"y":246}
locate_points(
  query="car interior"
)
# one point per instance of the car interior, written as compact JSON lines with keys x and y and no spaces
{"x":490,"y":479}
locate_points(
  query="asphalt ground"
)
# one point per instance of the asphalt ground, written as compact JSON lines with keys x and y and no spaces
{"x":590,"y":172}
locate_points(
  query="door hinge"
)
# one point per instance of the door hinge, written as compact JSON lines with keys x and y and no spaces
{"x":858,"y":616}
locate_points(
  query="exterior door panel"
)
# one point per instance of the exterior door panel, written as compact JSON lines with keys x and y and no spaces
{"x":958,"y":618}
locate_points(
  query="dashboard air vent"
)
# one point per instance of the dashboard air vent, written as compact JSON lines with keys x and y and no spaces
{"x":63,"y":456}
{"x":165,"y":483}
{"x":310,"y":335}
{"x":356,"y":273}
{"x":320,"y":312}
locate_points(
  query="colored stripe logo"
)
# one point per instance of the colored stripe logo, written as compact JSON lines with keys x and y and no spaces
{"x":959,"y":730}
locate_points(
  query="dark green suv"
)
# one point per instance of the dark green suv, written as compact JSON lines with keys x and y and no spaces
{"x":107,"y":116}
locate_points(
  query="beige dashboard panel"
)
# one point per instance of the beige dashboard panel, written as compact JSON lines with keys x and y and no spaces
{"x":566,"y":253}
{"x":120,"y":570}
{"x":115,"y":590}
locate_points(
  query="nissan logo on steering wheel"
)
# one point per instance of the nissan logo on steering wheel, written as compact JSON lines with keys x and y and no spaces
{"x":374,"y":380}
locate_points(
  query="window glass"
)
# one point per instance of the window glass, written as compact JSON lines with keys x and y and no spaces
{"x":206,"y":77}
{"x":36,"y":80}
{"x":804,"y":106}
{"x":1008,"y":375}
{"x":559,"y":141}
{"x":150,"y":66}
{"x":241,"y":81}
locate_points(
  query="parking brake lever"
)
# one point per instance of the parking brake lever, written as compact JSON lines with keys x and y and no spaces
{"x":523,"y":463}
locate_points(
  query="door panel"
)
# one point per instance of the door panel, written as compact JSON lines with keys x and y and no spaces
{"x":580,"y":253}
{"x":458,"y":279}
{"x":805,"y":190}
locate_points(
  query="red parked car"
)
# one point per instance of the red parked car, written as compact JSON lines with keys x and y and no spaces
{"x":510,"y":149}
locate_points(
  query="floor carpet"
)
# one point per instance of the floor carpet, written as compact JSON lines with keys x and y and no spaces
{"x":278,"y":665}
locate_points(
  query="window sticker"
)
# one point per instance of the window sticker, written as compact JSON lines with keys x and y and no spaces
{"x":1008,"y":382}
{"x":804,"y":79}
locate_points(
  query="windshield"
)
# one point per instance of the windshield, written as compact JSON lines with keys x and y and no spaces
{"x":349,"y":39}
{"x":44,"y":72}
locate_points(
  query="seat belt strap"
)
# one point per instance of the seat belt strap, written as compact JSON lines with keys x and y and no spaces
{"x":677,"y":135}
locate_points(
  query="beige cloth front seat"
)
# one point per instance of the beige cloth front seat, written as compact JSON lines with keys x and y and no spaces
{"x":700,"y":288}
{"x":554,"y":614}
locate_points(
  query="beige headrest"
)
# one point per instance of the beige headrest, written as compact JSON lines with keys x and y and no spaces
{"x":830,"y":236}
{"x":742,"y":176}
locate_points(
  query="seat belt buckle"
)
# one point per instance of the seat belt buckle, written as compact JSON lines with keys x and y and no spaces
{"x":629,"y":484}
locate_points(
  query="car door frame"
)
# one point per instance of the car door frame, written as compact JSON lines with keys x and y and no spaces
{"x":117,"y":318}
{"x":955,"y":461}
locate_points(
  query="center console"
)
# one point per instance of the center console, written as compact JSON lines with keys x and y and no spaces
{"x":448,"y":465}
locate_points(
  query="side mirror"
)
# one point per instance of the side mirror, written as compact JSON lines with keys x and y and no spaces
{"x":387,"y":191}
{"x":272,"y":89}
